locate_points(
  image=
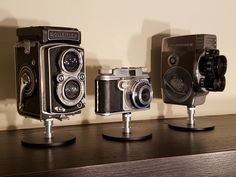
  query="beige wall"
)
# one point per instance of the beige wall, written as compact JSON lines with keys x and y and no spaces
{"x":118,"y":33}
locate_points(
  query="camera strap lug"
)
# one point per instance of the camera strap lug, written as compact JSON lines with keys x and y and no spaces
{"x":27,"y":45}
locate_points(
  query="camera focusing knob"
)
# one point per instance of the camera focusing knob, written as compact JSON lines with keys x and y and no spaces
{"x":60,"y":78}
{"x":82,"y":76}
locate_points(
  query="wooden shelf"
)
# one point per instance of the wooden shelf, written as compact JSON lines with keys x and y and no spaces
{"x":169,"y":152}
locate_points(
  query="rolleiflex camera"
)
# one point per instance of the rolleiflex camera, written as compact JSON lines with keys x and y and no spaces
{"x":50,"y":79}
{"x":122,"y":90}
{"x":191,"y":67}
{"x":50,"y":72}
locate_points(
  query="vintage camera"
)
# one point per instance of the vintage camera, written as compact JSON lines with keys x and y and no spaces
{"x":191,"y":67}
{"x":50,"y":72}
{"x":122,"y":90}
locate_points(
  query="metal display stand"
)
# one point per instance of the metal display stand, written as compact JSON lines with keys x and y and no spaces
{"x":191,"y":124}
{"x":126,"y":133}
{"x":50,"y":138}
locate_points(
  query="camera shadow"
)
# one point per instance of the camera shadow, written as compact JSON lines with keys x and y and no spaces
{"x":145,"y":49}
{"x":93,"y":65}
{"x":8,"y":40}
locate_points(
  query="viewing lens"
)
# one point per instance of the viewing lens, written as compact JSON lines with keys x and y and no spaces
{"x":71,"y":61}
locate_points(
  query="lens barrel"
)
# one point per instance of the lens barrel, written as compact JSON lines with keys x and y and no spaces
{"x":142,"y":94}
{"x":71,"y":60}
{"x":72,"y":89}
{"x":214,"y":84}
{"x":213,"y":66}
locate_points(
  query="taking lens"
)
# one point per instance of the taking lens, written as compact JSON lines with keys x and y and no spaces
{"x":145,"y":95}
{"x":220,"y":65}
{"x":71,"y":61}
{"x":214,"y":84}
{"x":72,"y":89}
{"x":142,"y":94}
{"x":213,"y":65}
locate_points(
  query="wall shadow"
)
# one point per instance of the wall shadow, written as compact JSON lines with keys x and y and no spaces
{"x":7,"y":68}
{"x":156,"y":43}
{"x":93,"y":65}
{"x":8,"y":40}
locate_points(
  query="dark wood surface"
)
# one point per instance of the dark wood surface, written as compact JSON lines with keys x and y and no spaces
{"x":168,"y":153}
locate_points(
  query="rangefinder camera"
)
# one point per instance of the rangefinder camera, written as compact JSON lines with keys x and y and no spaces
{"x":122,"y":90}
{"x":191,"y":67}
{"x":50,"y":72}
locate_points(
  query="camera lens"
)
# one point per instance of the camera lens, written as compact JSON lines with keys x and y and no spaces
{"x":221,"y":65}
{"x":71,"y":61}
{"x":214,"y":84}
{"x":141,"y":94}
{"x":145,"y":95}
{"x":213,"y":65}
{"x":72,"y":89}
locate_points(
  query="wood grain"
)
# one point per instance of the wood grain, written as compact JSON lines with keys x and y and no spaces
{"x":168,"y":153}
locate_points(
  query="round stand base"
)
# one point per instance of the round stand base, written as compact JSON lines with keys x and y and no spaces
{"x":116,"y":134}
{"x":39,"y":141}
{"x":199,"y":125}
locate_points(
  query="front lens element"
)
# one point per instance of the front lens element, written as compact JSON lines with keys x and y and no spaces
{"x":72,"y":89}
{"x":142,"y":94}
{"x":145,"y":95}
{"x":71,"y":61}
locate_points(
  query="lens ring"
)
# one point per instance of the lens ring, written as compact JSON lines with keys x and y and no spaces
{"x":71,"y":60}
{"x":142,"y":100}
{"x":65,"y":98}
{"x":221,"y":65}
{"x":72,"y":90}
{"x":137,"y":91}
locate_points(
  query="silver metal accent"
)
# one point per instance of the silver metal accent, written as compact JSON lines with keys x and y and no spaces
{"x":139,"y":94}
{"x":126,"y":118}
{"x":191,"y":118}
{"x":48,"y":128}
{"x":118,"y":73}
{"x":59,"y":109}
{"x":60,"y":78}
{"x":24,"y":81}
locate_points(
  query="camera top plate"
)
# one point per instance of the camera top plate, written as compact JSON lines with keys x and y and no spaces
{"x":47,"y":34}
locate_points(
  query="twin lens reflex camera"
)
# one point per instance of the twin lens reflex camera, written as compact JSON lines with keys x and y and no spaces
{"x":50,"y":78}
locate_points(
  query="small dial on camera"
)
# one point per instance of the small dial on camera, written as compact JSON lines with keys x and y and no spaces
{"x":122,"y":90}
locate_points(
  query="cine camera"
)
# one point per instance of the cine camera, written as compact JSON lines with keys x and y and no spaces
{"x":191,"y":67}
{"x":122,"y":90}
{"x":50,"y":72}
